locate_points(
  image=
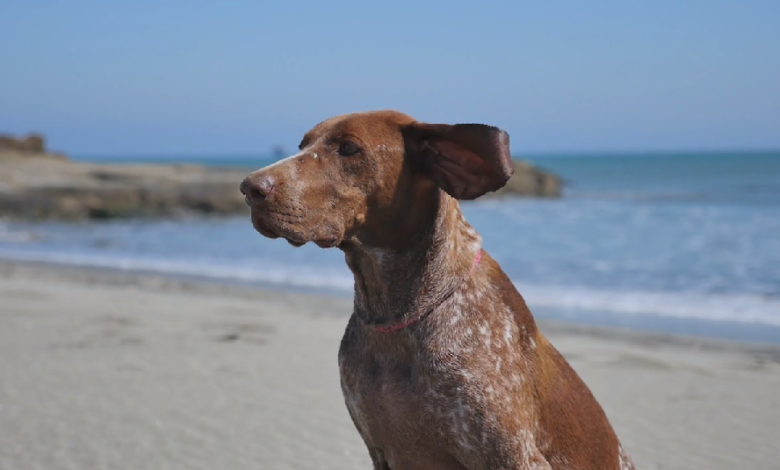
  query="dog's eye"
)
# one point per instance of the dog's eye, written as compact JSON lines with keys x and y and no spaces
{"x":347,"y":149}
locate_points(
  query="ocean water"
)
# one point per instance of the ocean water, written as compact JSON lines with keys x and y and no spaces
{"x":686,"y":243}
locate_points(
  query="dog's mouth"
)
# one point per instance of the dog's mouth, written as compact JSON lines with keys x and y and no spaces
{"x":270,"y":230}
{"x":262,"y":227}
{"x":263,"y":222}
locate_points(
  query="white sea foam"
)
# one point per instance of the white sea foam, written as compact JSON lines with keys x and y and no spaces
{"x":8,"y":235}
{"x":268,"y":273}
{"x":733,"y":307}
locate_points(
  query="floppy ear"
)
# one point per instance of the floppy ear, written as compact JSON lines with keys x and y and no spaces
{"x":465,"y":160}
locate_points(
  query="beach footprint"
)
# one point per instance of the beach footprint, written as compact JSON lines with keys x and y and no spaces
{"x":244,"y":331}
{"x":104,"y":332}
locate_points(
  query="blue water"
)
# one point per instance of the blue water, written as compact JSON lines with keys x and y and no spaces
{"x":687,"y":243}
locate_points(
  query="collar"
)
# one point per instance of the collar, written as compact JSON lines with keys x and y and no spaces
{"x":402,"y":325}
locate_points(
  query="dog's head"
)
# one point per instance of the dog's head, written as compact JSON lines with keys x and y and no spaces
{"x":360,"y":176}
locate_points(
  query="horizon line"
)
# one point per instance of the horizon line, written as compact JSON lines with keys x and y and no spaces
{"x":515,"y":154}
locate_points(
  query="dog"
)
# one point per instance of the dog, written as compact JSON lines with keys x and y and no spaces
{"x":442,"y":365}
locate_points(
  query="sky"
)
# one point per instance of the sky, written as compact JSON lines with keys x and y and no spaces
{"x":237,"y":77}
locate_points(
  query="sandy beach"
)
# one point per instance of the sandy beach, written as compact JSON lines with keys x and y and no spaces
{"x":110,"y":370}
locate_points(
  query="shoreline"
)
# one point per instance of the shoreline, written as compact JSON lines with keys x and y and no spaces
{"x":687,"y":329}
{"x":165,"y":282}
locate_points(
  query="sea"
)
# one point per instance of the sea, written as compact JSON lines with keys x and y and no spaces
{"x":684,"y":243}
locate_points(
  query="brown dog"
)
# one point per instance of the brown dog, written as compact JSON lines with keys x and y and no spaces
{"x":442,"y":365}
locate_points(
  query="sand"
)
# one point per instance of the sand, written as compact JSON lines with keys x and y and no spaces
{"x":108,"y":370}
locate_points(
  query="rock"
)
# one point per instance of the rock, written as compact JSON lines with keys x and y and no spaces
{"x":41,"y":189}
{"x":59,"y":189}
{"x":33,"y":145}
{"x":529,"y":181}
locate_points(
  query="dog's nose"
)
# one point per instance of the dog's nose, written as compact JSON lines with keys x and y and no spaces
{"x":258,"y":187}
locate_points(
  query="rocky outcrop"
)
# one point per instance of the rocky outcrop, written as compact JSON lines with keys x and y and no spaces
{"x":31,"y":146}
{"x":55,"y":188}
{"x":41,"y":188}
{"x":530,"y":181}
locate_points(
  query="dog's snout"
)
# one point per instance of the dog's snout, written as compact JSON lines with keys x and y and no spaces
{"x":257,"y":188}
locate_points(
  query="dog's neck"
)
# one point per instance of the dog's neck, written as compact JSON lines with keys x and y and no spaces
{"x":428,"y":259}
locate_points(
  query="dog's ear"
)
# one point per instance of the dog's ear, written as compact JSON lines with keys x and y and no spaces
{"x":465,"y":160}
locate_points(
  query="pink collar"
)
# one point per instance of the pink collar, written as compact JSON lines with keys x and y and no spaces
{"x":401,"y":326}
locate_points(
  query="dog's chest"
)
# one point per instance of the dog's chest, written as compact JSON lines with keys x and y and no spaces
{"x":383,"y":394}
{"x":445,"y":393}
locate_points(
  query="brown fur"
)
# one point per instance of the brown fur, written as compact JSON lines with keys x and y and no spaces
{"x":472,"y":383}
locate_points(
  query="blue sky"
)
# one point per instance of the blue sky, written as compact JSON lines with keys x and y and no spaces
{"x":206,"y":77}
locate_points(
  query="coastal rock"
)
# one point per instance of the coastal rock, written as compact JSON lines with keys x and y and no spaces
{"x":31,"y":146}
{"x":530,"y":181}
{"x":38,"y":187}
{"x":43,"y":188}
{"x":33,"y":143}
